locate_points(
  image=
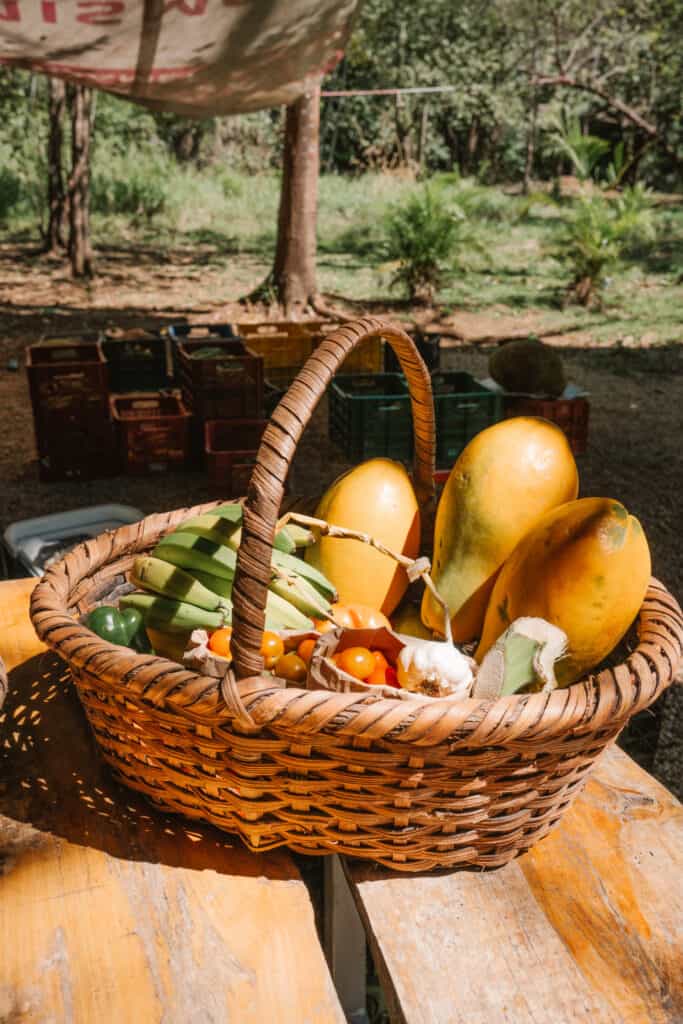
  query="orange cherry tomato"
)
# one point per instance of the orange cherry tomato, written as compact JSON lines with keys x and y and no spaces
{"x":219,"y":642}
{"x":336,"y":659}
{"x":357,"y":661}
{"x":272,"y":648}
{"x":378,"y":677}
{"x":305,"y":649}
{"x":292,"y":667}
{"x":380,"y":659}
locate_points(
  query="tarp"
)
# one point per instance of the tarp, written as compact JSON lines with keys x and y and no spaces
{"x":196,"y":57}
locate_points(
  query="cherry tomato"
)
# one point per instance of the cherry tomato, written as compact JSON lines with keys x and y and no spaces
{"x":378,"y":677}
{"x":380,"y":659}
{"x":292,"y":667}
{"x":305,"y":649}
{"x":391,"y":677}
{"x":219,"y":642}
{"x":272,"y":649}
{"x":357,"y":661}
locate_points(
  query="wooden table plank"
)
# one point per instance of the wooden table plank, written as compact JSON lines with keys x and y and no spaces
{"x":586,"y":926}
{"x":110,"y":911}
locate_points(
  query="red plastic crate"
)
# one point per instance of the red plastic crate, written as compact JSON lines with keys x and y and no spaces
{"x":230,"y":448}
{"x":58,"y":367}
{"x":153,"y":432}
{"x":570,"y":414}
{"x":225,"y":385}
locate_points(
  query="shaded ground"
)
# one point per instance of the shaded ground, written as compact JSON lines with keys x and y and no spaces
{"x":636,"y":395}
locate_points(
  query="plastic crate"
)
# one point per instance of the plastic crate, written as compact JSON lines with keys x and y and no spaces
{"x":429,"y":347}
{"x":230,"y":448}
{"x":369,"y":416}
{"x":221,"y":379}
{"x":282,"y":345}
{"x":570,"y":414}
{"x":58,"y":367}
{"x":153,"y":432}
{"x":462,"y":408}
{"x":139,"y":360}
{"x":273,"y":392}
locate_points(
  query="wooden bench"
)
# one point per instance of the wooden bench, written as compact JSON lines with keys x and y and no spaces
{"x":110,"y":912}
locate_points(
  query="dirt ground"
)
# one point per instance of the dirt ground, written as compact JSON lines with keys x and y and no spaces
{"x":635,"y":430}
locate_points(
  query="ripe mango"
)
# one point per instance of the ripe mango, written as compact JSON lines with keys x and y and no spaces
{"x":585,"y":568}
{"x":376,"y":498}
{"x":506,"y":478}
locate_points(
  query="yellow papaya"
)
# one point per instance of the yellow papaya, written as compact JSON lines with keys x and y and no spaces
{"x":376,"y":498}
{"x":506,"y":478}
{"x":585,"y":568}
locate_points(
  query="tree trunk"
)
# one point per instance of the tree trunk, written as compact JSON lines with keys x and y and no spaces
{"x":57,"y":206}
{"x":294,"y":277}
{"x":80,"y":252}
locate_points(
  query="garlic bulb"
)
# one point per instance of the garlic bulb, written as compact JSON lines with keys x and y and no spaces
{"x":434,"y":667}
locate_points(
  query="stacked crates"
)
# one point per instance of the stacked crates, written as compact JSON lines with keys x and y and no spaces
{"x":68,"y":383}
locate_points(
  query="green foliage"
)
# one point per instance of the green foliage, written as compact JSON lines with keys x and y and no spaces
{"x":135,"y":183}
{"x":583,"y":150}
{"x":422,"y":235}
{"x":598,"y":231}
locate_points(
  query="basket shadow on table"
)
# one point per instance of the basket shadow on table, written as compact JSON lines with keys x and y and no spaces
{"x":53,"y":779}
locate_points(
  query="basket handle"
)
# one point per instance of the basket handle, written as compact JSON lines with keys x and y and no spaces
{"x":278,"y":445}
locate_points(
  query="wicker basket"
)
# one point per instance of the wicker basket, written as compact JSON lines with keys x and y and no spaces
{"x":413,"y":785}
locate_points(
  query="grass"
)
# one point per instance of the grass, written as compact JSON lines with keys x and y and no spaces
{"x":221,"y":219}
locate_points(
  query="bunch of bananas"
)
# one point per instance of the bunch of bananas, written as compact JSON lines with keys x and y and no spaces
{"x":186,"y":582}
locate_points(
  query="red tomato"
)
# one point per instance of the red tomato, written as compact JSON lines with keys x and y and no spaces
{"x":391,"y":676}
{"x":219,"y":642}
{"x":343,"y":617}
{"x":272,"y":648}
{"x":357,"y":661}
{"x":292,"y":667}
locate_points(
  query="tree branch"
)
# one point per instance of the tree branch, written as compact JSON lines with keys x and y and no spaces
{"x":651,"y":130}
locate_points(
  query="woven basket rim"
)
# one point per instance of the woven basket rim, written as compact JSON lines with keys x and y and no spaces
{"x":587,"y":705}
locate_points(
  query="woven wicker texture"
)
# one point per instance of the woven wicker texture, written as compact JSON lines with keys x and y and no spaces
{"x":412,"y":784}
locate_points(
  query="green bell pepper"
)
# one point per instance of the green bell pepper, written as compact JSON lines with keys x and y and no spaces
{"x":125,"y":628}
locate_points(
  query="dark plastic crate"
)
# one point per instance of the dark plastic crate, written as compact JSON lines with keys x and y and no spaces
{"x":369,"y":416}
{"x":570,"y":414}
{"x":139,"y":360}
{"x":462,"y":408}
{"x":230,"y":450}
{"x":273,"y":392}
{"x":62,"y":366}
{"x":153,"y":432}
{"x":221,"y":379}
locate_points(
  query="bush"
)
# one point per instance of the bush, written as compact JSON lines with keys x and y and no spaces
{"x":597,"y":234}
{"x":423,"y":234}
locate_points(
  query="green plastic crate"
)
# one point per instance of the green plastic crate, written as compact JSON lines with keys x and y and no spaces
{"x":369,"y":416}
{"x":462,"y":407}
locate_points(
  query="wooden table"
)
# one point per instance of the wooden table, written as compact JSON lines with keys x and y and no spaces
{"x":110,"y":912}
{"x":587,"y":926}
